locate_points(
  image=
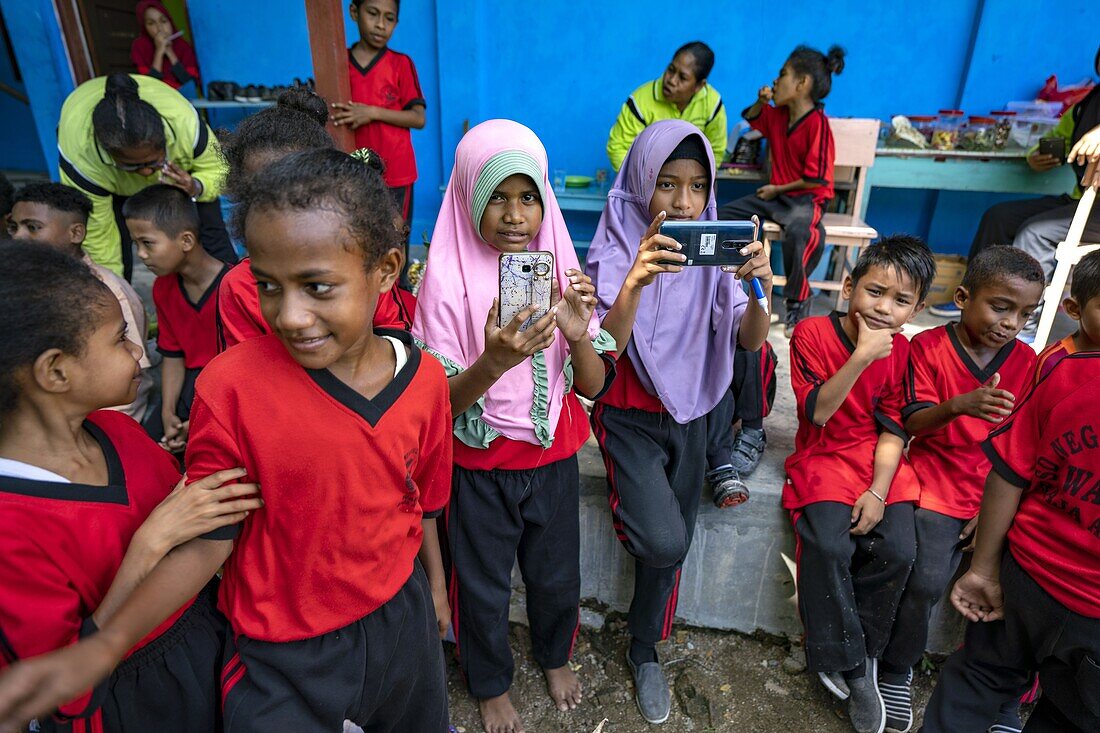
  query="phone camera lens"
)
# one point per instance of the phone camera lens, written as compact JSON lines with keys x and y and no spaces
{"x":526,"y":268}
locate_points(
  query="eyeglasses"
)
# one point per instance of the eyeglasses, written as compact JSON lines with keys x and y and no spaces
{"x":134,"y":167}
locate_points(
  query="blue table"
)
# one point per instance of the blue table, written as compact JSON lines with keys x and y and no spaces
{"x":936,"y":170}
{"x":593,"y":199}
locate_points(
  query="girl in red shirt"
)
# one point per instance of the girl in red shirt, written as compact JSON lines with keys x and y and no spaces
{"x":160,"y":51}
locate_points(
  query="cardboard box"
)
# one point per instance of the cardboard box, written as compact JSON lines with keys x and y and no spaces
{"x":949,"y":273}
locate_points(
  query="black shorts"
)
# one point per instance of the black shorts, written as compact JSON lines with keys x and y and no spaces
{"x":168,"y":686}
{"x":383,"y":672}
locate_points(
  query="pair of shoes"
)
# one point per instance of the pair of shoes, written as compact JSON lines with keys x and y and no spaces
{"x":748,"y":449}
{"x":945,"y":310}
{"x":221,"y":91}
{"x":866,"y":709}
{"x":796,"y":311}
{"x":651,"y":690}
{"x":728,"y":488}
{"x":898,"y":699}
{"x":835,"y":683}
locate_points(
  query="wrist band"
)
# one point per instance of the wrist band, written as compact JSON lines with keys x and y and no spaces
{"x":875,"y":494}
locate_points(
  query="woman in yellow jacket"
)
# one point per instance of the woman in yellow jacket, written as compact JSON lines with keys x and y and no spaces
{"x":682,"y":93}
{"x":121,"y":133}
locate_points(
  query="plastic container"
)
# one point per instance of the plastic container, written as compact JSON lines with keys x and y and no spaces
{"x":977,"y":136}
{"x":1037,"y":108}
{"x":1028,"y":129}
{"x":1003,"y":129}
{"x":924,"y":124}
{"x":946,"y":134}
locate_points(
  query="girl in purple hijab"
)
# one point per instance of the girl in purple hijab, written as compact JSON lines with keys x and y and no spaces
{"x":681,"y":326}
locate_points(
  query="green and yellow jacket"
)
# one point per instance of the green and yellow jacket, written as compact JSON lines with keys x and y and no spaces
{"x":648,"y":104}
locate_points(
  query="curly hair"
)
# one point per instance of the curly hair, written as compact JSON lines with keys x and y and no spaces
{"x":56,"y":196}
{"x":296,"y":122}
{"x":325,"y":180}
{"x":48,"y":300}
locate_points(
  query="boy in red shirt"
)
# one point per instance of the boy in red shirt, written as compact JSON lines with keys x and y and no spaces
{"x":1035,"y":608}
{"x":164,"y":225}
{"x":386,"y":100}
{"x":849,"y":489}
{"x":1083,"y":306}
{"x":963,"y":380}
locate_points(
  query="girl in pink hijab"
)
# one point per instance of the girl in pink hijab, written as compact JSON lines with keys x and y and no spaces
{"x":518,"y":422}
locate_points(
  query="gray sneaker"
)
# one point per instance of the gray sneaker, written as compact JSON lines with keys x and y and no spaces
{"x":866,"y":709}
{"x":748,"y":449}
{"x":651,"y":690}
{"x":835,"y":683}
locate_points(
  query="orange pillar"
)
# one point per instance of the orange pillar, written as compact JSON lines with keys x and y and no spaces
{"x":330,"y":59}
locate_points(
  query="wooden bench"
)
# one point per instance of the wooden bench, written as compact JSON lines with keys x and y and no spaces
{"x":845,"y":231}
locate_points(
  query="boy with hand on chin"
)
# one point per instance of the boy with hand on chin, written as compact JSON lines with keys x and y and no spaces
{"x":849,"y":489}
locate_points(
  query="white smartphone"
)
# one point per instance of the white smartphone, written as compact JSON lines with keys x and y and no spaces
{"x":526,"y":278}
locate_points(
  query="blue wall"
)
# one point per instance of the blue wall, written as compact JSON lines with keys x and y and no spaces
{"x":565,"y":68}
{"x":21,"y":149}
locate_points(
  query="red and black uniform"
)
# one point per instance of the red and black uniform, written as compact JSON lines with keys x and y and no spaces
{"x":655,"y":469}
{"x":239,"y":317}
{"x":389,"y":81}
{"x":187,"y":329}
{"x":802,"y":149}
{"x":1049,"y":449}
{"x":848,"y":586}
{"x":62,"y":545}
{"x":331,"y":613}
{"x":1053,"y":354}
{"x":530,"y":497}
{"x":951,"y":470}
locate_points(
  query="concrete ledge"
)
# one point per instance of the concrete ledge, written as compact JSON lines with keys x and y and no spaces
{"x":734,"y":577}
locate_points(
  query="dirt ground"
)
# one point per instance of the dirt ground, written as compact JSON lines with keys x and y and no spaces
{"x":721,"y":682}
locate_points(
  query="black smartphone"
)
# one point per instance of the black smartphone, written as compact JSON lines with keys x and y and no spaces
{"x":1055,"y":146}
{"x":712,"y":243}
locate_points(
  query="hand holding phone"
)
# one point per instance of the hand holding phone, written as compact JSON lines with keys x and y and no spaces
{"x":526,"y":279}
{"x":712,"y":243}
{"x":1054,"y":147}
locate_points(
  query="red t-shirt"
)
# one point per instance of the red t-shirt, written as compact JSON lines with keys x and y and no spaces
{"x":388,"y":81}
{"x":346,"y":482}
{"x":1053,"y":354}
{"x":836,"y":462}
{"x":187,"y":329}
{"x":949,"y":463}
{"x":240,"y":318}
{"x":1050,"y":448}
{"x":627,"y":391}
{"x":63,"y":543}
{"x":803,"y":150}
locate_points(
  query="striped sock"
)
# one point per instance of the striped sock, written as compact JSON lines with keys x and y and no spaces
{"x":899,"y":703}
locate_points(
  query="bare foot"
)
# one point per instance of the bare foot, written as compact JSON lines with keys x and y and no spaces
{"x":565,"y":688}
{"x":498,"y":715}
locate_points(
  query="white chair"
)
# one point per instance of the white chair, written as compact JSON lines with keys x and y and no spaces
{"x":855,"y":142}
{"x":1068,"y":254}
